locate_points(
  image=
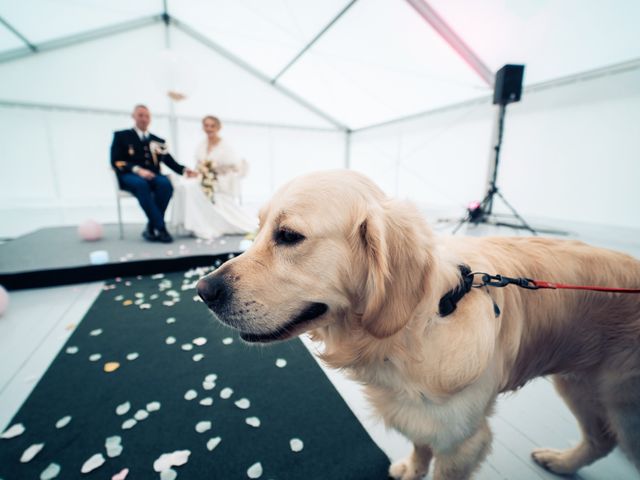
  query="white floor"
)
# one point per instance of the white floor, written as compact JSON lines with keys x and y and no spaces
{"x":39,"y":321}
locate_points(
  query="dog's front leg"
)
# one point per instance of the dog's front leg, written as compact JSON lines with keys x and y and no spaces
{"x":460,"y":462}
{"x":413,"y":467}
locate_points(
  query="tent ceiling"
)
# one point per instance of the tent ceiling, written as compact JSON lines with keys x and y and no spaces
{"x":380,"y":60}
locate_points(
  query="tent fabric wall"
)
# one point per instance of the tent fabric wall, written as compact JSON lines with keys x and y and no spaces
{"x":59,"y":161}
{"x":569,"y":153}
{"x":576,"y":141}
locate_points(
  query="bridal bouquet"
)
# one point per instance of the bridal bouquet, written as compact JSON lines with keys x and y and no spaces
{"x":208,"y":177}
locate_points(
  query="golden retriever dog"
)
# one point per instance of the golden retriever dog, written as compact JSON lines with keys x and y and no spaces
{"x":364,"y":275}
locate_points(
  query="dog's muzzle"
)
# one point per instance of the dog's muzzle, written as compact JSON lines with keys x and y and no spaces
{"x":214,"y":292}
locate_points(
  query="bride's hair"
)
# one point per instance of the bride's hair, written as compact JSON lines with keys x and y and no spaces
{"x":215,"y":119}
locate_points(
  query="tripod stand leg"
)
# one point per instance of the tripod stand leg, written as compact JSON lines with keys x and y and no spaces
{"x":462,"y":221}
{"x":516,"y":214}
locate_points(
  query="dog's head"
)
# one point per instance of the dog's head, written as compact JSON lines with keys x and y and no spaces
{"x":331,"y":248}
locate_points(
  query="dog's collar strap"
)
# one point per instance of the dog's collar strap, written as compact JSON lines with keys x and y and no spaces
{"x":449,"y":301}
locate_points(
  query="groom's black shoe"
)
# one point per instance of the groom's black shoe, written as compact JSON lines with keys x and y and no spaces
{"x":164,"y":236}
{"x":149,"y":234}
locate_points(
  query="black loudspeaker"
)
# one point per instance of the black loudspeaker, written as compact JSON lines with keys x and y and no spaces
{"x":508,"y":87}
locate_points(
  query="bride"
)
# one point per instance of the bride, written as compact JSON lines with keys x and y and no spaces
{"x":207,"y":206}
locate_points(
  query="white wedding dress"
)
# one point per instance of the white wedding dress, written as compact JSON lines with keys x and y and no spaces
{"x":194,"y":213}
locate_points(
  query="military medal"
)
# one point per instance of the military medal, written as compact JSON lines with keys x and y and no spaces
{"x":131,"y":152}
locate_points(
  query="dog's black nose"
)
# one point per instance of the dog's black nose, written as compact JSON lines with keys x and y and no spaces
{"x":214,"y":291}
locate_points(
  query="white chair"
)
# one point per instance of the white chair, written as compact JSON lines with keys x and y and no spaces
{"x":120,"y":194}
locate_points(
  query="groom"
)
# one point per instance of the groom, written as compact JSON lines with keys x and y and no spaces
{"x":135,"y":157}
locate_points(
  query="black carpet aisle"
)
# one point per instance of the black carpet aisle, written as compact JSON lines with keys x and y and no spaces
{"x":169,"y":348}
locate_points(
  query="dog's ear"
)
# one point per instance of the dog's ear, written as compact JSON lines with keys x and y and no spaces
{"x":395,"y":271}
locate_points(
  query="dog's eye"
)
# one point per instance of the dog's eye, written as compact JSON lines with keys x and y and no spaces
{"x":288,"y":237}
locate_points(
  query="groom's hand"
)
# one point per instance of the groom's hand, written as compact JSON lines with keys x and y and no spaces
{"x":144,"y":173}
{"x":190,"y":173}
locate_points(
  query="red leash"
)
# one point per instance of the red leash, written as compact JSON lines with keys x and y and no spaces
{"x":528,"y":283}
{"x":553,"y":285}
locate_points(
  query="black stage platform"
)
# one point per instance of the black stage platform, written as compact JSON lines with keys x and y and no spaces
{"x":58,"y":256}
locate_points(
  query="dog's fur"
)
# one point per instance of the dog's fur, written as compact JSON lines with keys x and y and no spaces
{"x":380,"y":271}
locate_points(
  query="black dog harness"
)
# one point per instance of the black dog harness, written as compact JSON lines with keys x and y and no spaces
{"x":449,"y":301}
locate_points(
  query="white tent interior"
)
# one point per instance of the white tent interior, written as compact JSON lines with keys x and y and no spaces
{"x":400,"y":90}
{"x":306,"y":85}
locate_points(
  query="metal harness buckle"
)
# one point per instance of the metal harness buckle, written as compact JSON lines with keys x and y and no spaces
{"x":502,"y":281}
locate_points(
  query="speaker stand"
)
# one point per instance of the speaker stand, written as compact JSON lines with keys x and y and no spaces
{"x":483,"y":212}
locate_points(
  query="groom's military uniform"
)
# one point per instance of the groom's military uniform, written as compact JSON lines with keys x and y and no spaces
{"x":132,"y":150}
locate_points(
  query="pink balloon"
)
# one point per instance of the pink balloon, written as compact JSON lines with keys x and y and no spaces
{"x":4,"y":300}
{"x":90,"y":230}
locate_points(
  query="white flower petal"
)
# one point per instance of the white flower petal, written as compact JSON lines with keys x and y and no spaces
{"x":96,"y":461}
{"x":255,"y":470}
{"x":296,"y":444}
{"x":31,"y":452}
{"x":253,"y":421}
{"x":141,"y":415}
{"x":203,"y":426}
{"x":13,"y":431}
{"x":129,"y":424}
{"x":63,"y":422}
{"x":123,"y":408}
{"x":51,"y":472}
{"x":213,"y":443}
{"x":173,"y":459}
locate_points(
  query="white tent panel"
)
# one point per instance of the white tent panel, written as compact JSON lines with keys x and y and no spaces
{"x":27,"y":170}
{"x":299,"y":152}
{"x":266,"y":34}
{"x":110,"y":73}
{"x":79,"y":149}
{"x":43,"y":20}
{"x":569,"y":153}
{"x":9,"y":40}
{"x":553,"y":39}
{"x":382,"y":61}
{"x":59,"y":158}
{"x":423,"y":159}
{"x":214,"y":85}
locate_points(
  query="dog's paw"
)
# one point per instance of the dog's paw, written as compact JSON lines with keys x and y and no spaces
{"x":556,"y":461}
{"x":405,"y":469}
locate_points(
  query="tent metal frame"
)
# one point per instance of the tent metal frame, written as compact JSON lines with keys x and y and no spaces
{"x":189,"y":118}
{"x":614,"y":69}
{"x":421,"y":6}
{"x":194,"y":34}
{"x":78,"y":38}
{"x":22,"y":38}
{"x":312,"y":42}
{"x":168,"y":20}
{"x":454,"y":40}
